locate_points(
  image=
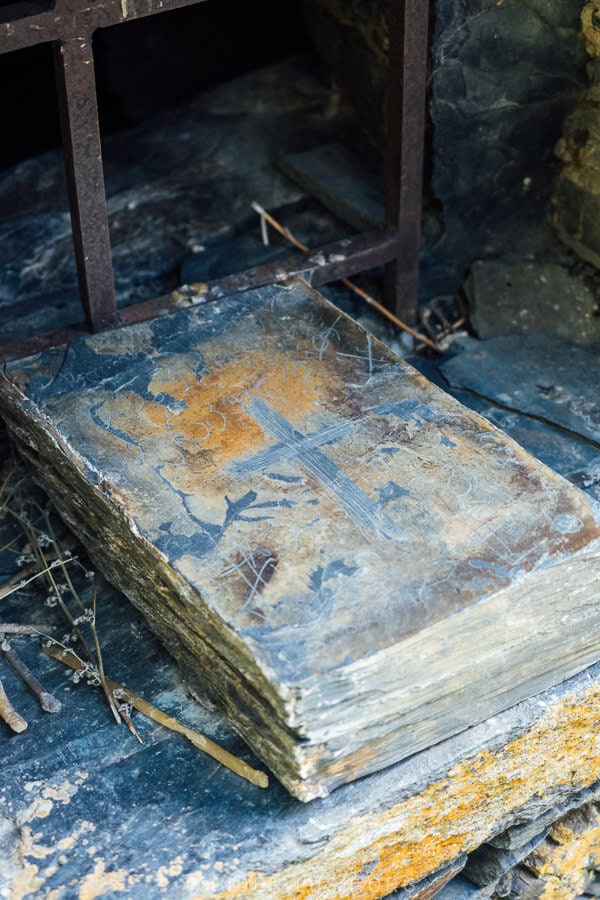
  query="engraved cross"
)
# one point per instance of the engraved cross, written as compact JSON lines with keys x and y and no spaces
{"x":304,"y":449}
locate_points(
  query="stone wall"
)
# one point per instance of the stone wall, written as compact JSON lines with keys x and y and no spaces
{"x":504,"y":74}
{"x":577,"y":197}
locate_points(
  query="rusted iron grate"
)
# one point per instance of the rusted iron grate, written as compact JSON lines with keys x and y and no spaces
{"x":69,"y":25}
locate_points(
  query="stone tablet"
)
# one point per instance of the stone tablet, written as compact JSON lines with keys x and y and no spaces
{"x":351,"y":564}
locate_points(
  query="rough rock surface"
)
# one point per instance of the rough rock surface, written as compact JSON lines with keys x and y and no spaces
{"x":542,"y":376}
{"x":503,"y":77}
{"x":576,"y":198}
{"x":531,"y":297}
{"x":564,"y":864}
{"x":568,"y":452}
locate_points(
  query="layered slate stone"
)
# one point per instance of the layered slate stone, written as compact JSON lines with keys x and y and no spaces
{"x":352,"y":564}
{"x":84,"y":805}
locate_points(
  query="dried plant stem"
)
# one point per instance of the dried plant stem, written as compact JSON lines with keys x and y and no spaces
{"x":32,"y":568}
{"x":8,"y":715}
{"x":124,"y":713}
{"x":287,"y":234}
{"x":59,"y":549}
{"x":17,"y":582}
{"x":65,"y":609}
{"x":260,"y":779}
{"x":42,"y":562}
{"x":10,"y":543}
{"x":15,"y":487}
{"x":47,"y":701}
{"x":117,"y":713}
{"x":107,"y":692}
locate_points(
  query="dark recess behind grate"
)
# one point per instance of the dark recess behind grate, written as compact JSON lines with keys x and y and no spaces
{"x":144,"y":66}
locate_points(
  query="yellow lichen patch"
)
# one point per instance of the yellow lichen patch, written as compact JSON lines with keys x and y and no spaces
{"x":45,"y":798}
{"x":590,"y":15}
{"x":563,"y":861}
{"x":100,"y":882}
{"x":165,"y":873}
{"x":427,"y":831}
{"x":27,"y":883}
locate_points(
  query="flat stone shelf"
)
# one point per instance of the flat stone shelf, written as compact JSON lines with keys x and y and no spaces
{"x":350,"y":563}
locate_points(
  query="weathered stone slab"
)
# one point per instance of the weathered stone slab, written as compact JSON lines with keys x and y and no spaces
{"x":431,"y":886}
{"x":351,"y":563}
{"x":518,"y":835}
{"x":539,"y":375}
{"x":571,"y":455}
{"x":460,"y":888}
{"x":83,"y":806}
{"x":525,"y":297}
{"x":343,"y":184}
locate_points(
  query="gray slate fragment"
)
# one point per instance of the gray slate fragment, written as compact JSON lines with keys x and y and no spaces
{"x":539,"y":375}
{"x":486,"y":865}
{"x":573,"y":457}
{"x":430,"y":887}
{"x":519,"y":835}
{"x":335,"y":177}
{"x":515,"y":838}
{"x":462,"y":889}
{"x":523,"y":297}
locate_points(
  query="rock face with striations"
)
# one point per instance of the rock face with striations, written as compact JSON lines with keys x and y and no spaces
{"x":576,"y":198}
{"x":503,"y":77}
{"x":353,"y":565}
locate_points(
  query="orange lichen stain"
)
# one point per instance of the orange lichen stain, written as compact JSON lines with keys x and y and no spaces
{"x":425,"y":832}
{"x":216,"y":415}
{"x":205,"y":417}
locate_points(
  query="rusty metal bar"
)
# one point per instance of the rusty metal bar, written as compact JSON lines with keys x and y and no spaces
{"x":73,"y":18}
{"x":338,"y":260}
{"x":29,"y":31}
{"x":70,"y":26}
{"x":405,"y":131}
{"x":76,"y":84}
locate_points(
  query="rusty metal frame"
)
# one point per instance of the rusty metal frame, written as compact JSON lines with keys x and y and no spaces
{"x":70,"y":25}
{"x":405,"y":142}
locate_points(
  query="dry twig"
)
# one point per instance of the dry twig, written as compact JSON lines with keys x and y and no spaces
{"x":14,"y":721}
{"x":16,"y":582}
{"x":260,"y":779}
{"x":351,"y":285}
{"x":47,"y":701}
{"x":68,"y":543}
{"x":100,"y":663}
